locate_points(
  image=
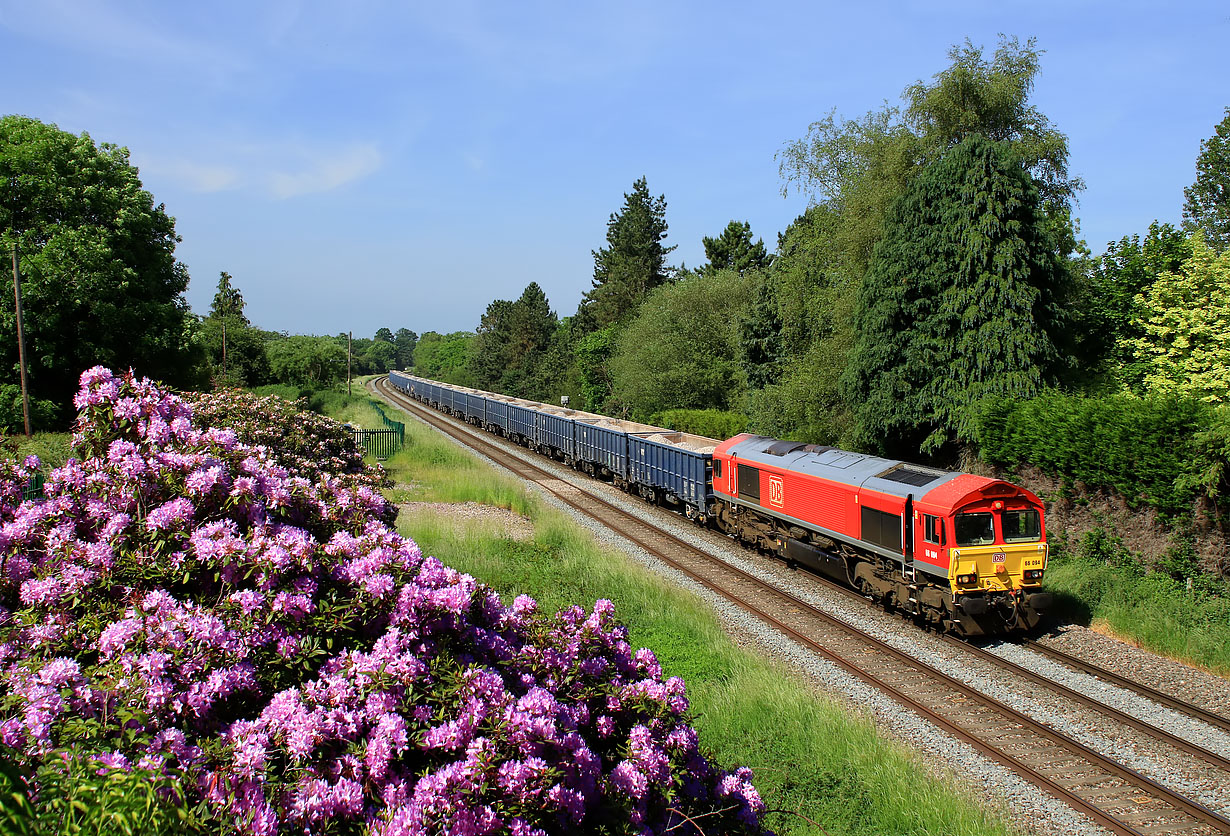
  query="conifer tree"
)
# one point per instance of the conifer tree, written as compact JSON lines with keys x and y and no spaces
{"x":963,"y":300}
{"x":735,"y":250}
{"x":1207,"y":207}
{"x":633,"y":262}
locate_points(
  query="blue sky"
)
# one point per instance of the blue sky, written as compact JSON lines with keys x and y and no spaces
{"x":363,"y":164}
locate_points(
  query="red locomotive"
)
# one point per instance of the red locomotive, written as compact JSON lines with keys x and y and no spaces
{"x":965,"y":553}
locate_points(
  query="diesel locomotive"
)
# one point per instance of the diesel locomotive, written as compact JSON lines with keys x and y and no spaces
{"x":962,"y":553}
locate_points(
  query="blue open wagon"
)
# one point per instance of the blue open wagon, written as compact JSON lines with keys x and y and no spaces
{"x":673,"y":467}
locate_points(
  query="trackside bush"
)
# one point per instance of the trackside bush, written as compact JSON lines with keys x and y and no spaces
{"x":186,"y":605}
{"x":711,"y":423}
{"x":1157,"y":451}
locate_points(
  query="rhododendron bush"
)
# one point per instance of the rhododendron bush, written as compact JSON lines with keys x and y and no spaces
{"x":192,"y":599}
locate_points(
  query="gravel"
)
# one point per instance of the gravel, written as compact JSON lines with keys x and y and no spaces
{"x":1015,"y":798}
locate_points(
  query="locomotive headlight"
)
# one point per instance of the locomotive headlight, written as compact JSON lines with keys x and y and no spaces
{"x":1033,"y":574}
{"x":967,"y":579}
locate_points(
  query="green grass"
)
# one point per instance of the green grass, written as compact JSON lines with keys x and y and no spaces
{"x":815,"y":761}
{"x":53,"y":449}
{"x":1149,"y":608}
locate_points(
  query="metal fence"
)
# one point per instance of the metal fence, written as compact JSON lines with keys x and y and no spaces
{"x":33,"y":488}
{"x":381,"y":444}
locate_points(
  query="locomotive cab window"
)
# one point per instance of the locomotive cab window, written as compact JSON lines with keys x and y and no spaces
{"x":717,"y":468}
{"x":976,"y":529}
{"x":933,"y":529}
{"x":1022,"y":526}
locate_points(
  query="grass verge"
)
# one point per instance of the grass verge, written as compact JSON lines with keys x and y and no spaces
{"x":823,"y":769}
{"x":1097,"y":581}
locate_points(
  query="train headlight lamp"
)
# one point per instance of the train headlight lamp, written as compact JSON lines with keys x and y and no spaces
{"x":1033,"y":574}
{"x":968,"y":579}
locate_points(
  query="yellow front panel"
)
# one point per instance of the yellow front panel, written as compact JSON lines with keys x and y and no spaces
{"x":998,"y":567}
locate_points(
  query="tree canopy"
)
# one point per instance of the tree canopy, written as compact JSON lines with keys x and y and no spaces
{"x":634,"y":261}
{"x":1207,"y":204}
{"x":100,"y":281}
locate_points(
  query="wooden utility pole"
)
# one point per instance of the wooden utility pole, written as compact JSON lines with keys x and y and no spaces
{"x":21,"y":342}
{"x":349,"y":341}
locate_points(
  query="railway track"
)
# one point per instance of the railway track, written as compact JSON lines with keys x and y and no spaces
{"x":1113,"y":795}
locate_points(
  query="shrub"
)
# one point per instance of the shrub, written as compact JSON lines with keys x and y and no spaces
{"x":711,"y":423}
{"x":1153,"y":451}
{"x":184,"y":603}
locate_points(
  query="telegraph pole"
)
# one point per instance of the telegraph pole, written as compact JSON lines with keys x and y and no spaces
{"x":21,"y":342}
{"x":349,"y":341}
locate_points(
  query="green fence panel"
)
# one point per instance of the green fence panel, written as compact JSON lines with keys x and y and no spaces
{"x":381,"y":444}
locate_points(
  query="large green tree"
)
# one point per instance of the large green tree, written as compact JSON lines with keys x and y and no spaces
{"x":1207,"y":205}
{"x":307,"y":361}
{"x":964,"y":300}
{"x":854,"y":171}
{"x":445,"y":357}
{"x":405,"y":340}
{"x":632,"y":263}
{"x":100,"y":279}
{"x":681,"y":351}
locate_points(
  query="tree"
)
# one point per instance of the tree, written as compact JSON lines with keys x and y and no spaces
{"x":445,"y":357}
{"x":855,"y":171}
{"x":1207,"y":204}
{"x":510,"y":342}
{"x":859,"y":167}
{"x":1186,"y":327}
{"x":964,"y":300}
{"x":634,"y":261}
{"x":228,"y":301}
{"x":384,"y":335}
{"x":99,"y":277}
{"x":1110,"y":312}
{"x":307,"y":361}
{"x":760,"y":338}
{"x":234,"y":350}
{"x":404,"y":340}
{"x":681,"y":350}
{"x":734,"y":250}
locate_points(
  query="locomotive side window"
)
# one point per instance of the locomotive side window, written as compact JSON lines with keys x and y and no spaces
{"x":749,"y":482}
{"x":717,"y":468}
{"x":1024,"y":526}
{"x":975,"y":529}
{"x":933,"y":529}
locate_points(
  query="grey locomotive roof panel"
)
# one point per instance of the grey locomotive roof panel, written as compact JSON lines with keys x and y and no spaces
{"x":888,"y":476}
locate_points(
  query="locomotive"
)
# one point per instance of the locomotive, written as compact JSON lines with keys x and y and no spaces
{"x":962,"y":553}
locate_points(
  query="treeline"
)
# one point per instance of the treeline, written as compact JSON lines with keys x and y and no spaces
{"x":101,"y":286}
{"x":235,"y":353}
{"x":935,"y":288}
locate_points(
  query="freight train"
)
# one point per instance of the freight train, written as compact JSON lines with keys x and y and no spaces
{"x":961,"y":553}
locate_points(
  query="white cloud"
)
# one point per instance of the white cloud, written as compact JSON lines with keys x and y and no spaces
{"x":327,"y":171}
{"x":194,"y":176}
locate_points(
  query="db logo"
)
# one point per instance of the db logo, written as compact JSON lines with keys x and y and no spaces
{"x":777,"y":491}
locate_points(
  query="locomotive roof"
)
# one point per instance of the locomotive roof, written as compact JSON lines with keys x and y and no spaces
{"x":889,"y":476}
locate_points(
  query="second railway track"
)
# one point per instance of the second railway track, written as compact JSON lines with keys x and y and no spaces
{"x":1113,"y":795}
